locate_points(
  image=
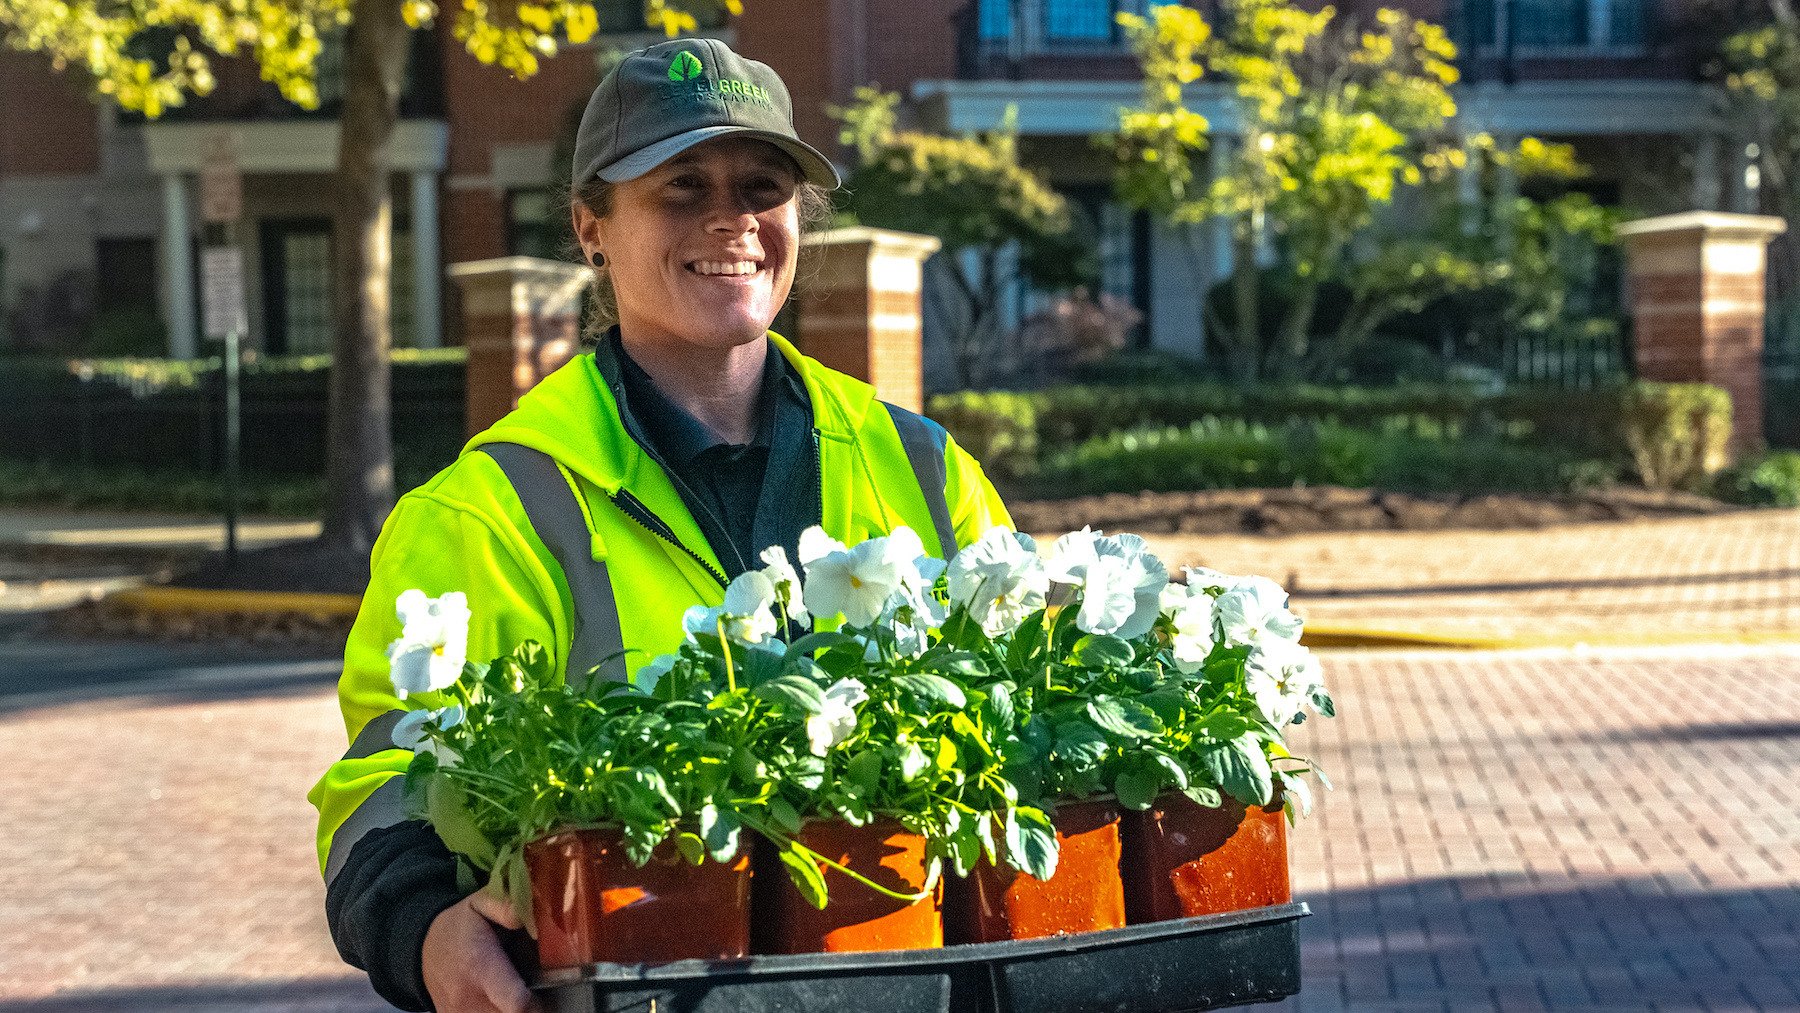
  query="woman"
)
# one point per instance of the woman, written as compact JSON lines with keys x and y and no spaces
{"x":630,"y":484}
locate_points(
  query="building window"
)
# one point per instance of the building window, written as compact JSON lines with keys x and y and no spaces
{"x":528,"y":232}
{"x":1051,"y":23}
{"x":1557,"y":24}
{"x":626,"y":17}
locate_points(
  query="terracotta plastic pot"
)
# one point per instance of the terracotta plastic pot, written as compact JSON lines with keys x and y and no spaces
{"x":591,"y":904}
{"x":1183,"y":859}
{"x":1084,"y":894}
{"x":855,"y":919}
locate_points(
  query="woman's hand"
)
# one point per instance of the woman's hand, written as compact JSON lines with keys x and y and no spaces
{"x":466,"y":970}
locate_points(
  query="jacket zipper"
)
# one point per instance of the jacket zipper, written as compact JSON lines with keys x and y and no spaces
{"x":634,"y":508}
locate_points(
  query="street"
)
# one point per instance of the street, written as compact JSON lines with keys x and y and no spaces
{"x":1593,"y":830}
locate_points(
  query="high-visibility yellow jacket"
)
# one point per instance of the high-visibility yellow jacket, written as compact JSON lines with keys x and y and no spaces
{"x":556,"y":504}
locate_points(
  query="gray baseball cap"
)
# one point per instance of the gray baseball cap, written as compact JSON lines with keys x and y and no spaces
{"x":661,"y":101}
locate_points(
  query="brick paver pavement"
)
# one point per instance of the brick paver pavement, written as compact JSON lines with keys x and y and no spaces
{"x":1553,"y":830}
{"x":1725,"y":575}
{"x":1508,"y":832}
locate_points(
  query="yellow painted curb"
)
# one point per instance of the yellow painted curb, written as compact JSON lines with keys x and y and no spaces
{"x":1356,"y":637}
{"x":188,"y":599}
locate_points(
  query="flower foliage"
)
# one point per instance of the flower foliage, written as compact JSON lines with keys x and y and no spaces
{"x":109,"y":40}
{"x":965,"y":702}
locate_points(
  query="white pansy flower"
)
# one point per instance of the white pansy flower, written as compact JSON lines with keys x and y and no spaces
{"x":1191,"y":612}
{"x":433,"y":643}
{"x":1121,"y":581}
{"x":1253,"y":610}
{"x":409,"y":731}
{"x":787,"y":582}
{"x":1000,"y":579}
{"x":1282,"y":676}
{"x":1200,"y":578}
{"x":651,"y":672}
{"x":837,"y":720}
{"x":856,"y":582}
{"x":745,"y":615}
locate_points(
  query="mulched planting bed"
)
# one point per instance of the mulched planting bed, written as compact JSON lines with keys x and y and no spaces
{"x":1331,"y":508}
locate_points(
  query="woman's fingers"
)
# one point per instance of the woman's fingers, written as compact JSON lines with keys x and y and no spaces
{"x":466,"y":969}
{"x":495,"y":910}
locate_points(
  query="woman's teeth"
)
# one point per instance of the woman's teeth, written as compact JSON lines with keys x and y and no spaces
{"x":724,"y":267}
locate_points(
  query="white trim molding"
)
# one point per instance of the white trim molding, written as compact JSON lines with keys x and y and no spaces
{"x":300,"y":146}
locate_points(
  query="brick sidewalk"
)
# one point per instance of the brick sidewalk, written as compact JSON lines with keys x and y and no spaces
{"x":1508,"y":832}
{"x":1723,"y":576}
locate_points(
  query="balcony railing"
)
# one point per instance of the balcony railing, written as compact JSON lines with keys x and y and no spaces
{"x":1554,"y":26}
{"x":993,"y":34}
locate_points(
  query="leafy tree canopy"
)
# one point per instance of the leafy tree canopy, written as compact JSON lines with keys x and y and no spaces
{"x":284,"y":38}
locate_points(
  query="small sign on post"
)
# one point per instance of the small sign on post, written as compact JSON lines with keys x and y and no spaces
{"x":222,"y":298}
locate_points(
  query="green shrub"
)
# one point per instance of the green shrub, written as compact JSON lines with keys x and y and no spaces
{"x":1219,"y":454}
{"x":1770,"y":480}
{"x":42,"y":484}
{"x":998,"y":427}
{"x":1676,"y":432}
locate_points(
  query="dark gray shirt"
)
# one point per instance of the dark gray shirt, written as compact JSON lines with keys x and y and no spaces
{"x":745,"y":497}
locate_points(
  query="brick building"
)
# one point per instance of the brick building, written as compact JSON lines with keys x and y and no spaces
{"x":91,"y":199}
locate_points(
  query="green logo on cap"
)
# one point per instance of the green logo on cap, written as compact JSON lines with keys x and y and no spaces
{"x":685,"y":67}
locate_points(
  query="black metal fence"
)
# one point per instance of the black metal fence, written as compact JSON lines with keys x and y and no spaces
{"x":53,"y":413}
{"x":1567,"y":360}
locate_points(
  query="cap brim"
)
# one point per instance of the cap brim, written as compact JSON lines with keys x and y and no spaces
{"x":814,"y":166}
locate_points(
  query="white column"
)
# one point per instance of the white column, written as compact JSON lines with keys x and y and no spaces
{"x":1706,"y":172}
{"x":1468,"y":194}
{"x":427,"y":272}
{"x":1218,"y":163}
{"x":178,"y":268}
{"x":1506,"y":188}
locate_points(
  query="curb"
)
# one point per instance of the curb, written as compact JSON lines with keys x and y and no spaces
{"x":171,"y":600}
{"x":1378,"y":639}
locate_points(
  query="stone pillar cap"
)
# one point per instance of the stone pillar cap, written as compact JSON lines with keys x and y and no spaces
{"x":1711,"y":222}
{"x":889,"y":240}
{"x":518,"y":265}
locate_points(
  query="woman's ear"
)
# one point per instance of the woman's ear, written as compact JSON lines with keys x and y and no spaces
{"x":588,"y":231}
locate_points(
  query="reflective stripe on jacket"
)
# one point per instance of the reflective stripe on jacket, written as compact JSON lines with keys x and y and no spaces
{"x":589,"y":496}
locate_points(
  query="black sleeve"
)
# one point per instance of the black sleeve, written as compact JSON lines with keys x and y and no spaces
{"x":394,"y":883}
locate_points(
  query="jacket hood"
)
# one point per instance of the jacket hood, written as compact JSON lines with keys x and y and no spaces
{"x":571,"y":416}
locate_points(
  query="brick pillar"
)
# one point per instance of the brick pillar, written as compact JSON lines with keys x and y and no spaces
{"x":859,"y":311}
{"x":521,"y":320}
{"x":1695,"y":283}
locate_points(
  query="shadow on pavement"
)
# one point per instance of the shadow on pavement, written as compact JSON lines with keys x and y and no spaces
{"x":41,"y":674}
{"x":340,"y":995}
{"x":1501,"y":943}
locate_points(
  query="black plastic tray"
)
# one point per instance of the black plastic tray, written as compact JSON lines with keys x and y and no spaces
{"x":1168,"y":967}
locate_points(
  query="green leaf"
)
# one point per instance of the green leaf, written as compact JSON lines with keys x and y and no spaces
{"x":1126,"y":718}
{"x":962,"y":664}
{"x":806,"y":877}
{"x":864,"y":770}
{"x":1137,"y":789}
{"x":719,"y":829}
{"x":1102,"y":651}
{"x":1240,"y":768}
{"x":1175,"y":775}
{"x":784,"y":815}
{"x":822,"y":641}
{"x":1322,"y":703}
{"x":1203,"y":796}
{"x":446,"y":807}
{"x":1000,"y":706}
{"x":1080,"y":743}
{"x":938,"y":691}
{"x":756,"y":667}
{"x":793,"y":691}
{"x":1031,"y":842}
{"x":691,"y":847}
{"x":1224,"y":726}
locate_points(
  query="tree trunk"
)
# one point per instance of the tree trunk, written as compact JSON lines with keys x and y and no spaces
{"x":1246,"y":352}
{"x":1291,"y":343}
{"x":360,"y":454}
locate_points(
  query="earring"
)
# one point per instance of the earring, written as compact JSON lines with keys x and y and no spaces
{"x":598,"y":258}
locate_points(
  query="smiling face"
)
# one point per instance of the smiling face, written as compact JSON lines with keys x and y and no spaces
{"x":702,"y":248}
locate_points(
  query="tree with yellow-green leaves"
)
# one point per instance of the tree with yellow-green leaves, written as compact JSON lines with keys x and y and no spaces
{"x":96,"y":38}
{"x":1333,"y":119}
{"x":973,"y":195}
